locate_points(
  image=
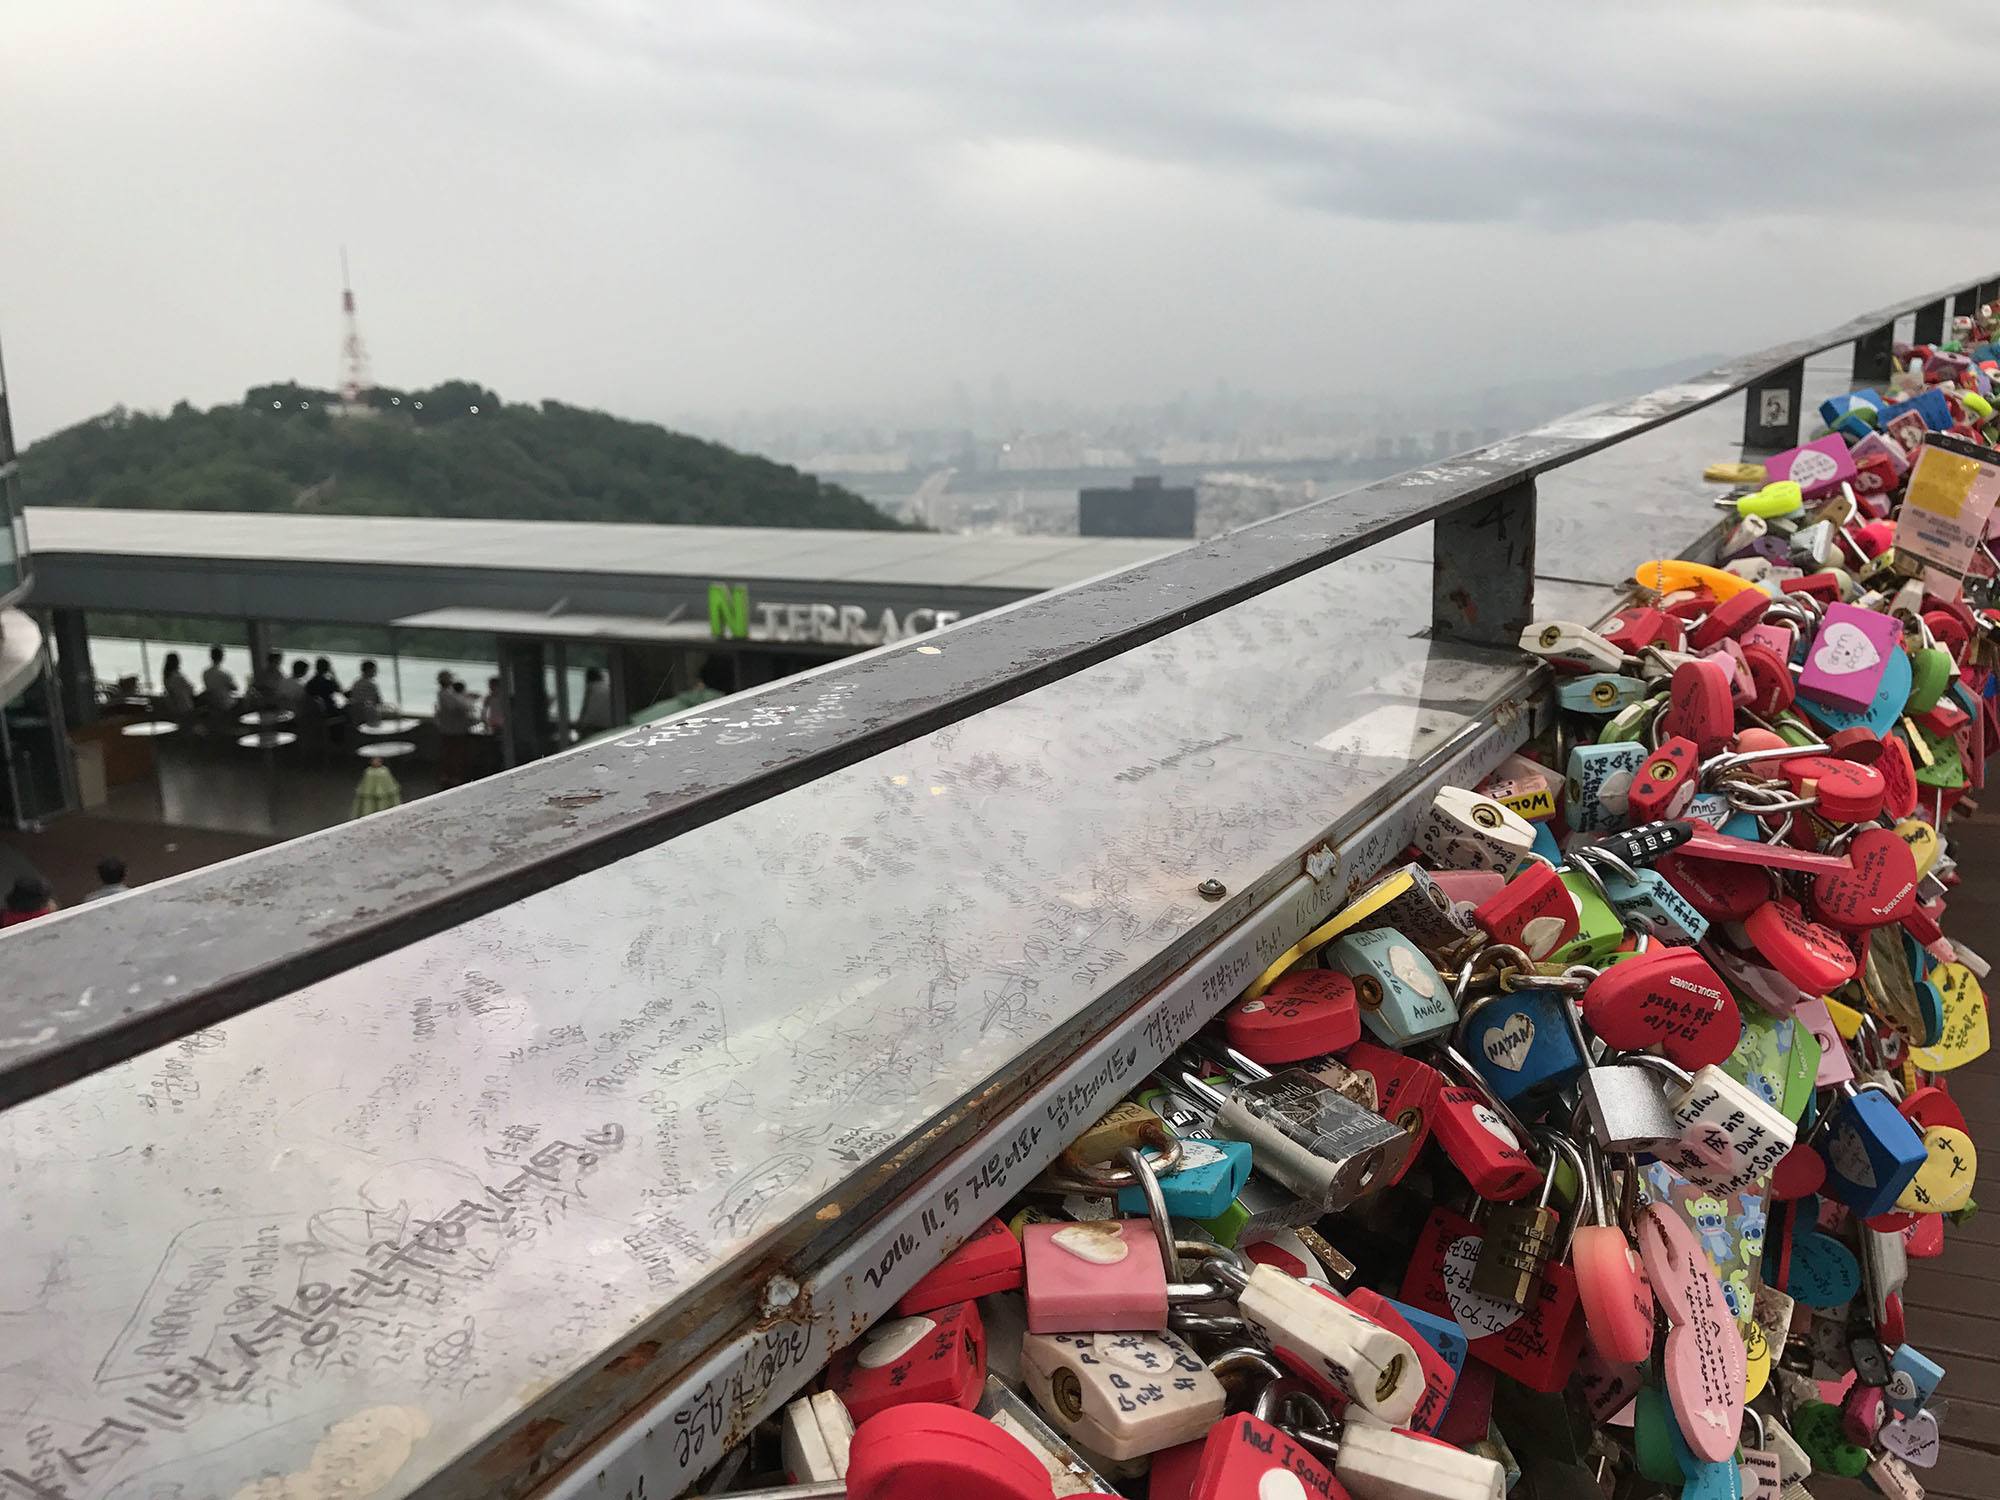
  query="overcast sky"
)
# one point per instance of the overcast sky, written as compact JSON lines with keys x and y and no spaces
{"x":661,"y":208}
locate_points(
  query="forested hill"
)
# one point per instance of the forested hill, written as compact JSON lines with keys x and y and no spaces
{"x":455,"y":450}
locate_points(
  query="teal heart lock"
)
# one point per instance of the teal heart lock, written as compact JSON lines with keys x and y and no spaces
{"x":1210,"y":1174}
{"x":1883,"y":710}
{"x":1401,"y":995}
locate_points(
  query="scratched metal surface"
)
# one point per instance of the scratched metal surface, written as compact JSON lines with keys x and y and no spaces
{"x":243,"y":936}
{"x":633,"y":1079}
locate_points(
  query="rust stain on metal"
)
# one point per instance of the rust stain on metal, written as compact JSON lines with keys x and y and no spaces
{"x":523,"y":1448}
{"x":576,"y":799}
{"x":634,"y":1359}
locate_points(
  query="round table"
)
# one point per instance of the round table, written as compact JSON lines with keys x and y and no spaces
{"x":385,"y":750}
{"x":147,"y":728}
{"x":266,"y":718}
{"x":270,"y":739}
{"x":390,"y":726}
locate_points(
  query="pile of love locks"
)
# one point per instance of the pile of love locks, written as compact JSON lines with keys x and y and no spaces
{"x":1583,"y":1153}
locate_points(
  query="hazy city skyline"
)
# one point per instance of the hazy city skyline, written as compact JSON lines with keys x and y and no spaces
{"x":672,"y":212}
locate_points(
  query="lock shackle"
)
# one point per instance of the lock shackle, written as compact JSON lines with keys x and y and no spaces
{"x":1204,"y":1091}
{"x":1092,"y":1174}
{"x":1590,"y":875}
{"x":1238,"y":1358}
{"x":1561,"y":1145}
{"x":1148,"y":1180}
{"x":1752,"y":1415}
{"x":1210,"y":1255}
{"x":1470,"y":973}
{"x":1658,"y":1064}
{"x":1222,"y":1325}
{"x":1476,"y":1081}
{"x":1598,"y":854}
{"x":1275,"y":1403}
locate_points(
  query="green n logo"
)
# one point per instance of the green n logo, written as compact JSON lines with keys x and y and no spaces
{"x":729,"y":611}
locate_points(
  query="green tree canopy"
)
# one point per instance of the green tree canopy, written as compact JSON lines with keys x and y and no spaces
{"x":286,"y":447}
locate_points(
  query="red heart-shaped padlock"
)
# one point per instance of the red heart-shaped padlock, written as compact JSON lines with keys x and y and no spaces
{"x":1721,"y":892}
{"x":1772,"y":688}
{"x":1813,"y":957}
{"x":1848,"y":791}
{"x":1879,"y":888}
{"x":1304,"y":1014}
{"x":1899,"y":778}
{"x":1668,"y":997}
{"x":1731,"y":617}
{"x":1700,"y":706}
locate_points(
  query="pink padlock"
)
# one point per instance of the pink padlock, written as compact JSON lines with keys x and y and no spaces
{"x":1103,"y":1276}
{"x":1705,"y":1365}
{"x":1611,"y":1287}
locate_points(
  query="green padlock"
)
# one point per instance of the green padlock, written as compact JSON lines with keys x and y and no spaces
{"x":1652,"y":1443}
{"x":1599,"y":930}
{"x":1781,"y":498}
{"x":1801,"y":1071}
{"x":1930,"y":674}
{"x":1227,"y":1226}
{"x":1630,"y":722}
{"x":1817,"y":1428}
{"x":1945,"y":769}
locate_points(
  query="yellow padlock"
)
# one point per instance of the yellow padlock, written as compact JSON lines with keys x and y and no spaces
{"x":1734,"y":473}
{"x":1923,"y":842}
{"x":1846,"y":1019}
{"x":1756,"y":1361}
{"x":1964,"y":1034}
{"x":1944,"y":1182}
{"x":1780,"y":498}
{"x":1666,"y":574}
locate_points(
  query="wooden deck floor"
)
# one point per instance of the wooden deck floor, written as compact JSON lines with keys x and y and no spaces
{"x":1952,"y":1303}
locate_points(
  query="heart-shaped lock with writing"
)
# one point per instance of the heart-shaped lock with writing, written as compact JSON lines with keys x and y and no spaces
{"x":1532,"y":911}
{"x":1880,"y":886}
{"x":1666,"y":780}
{"x":1611,"y":1284}
{"x":1670,"y":998}
{"x":1846,"y":790}
{"x":1401,"y":996}
{"x":1704,"y":1361}
{"x":1303,"y":1014}
{"x":1522,"y":1041}
{"x":1537,"y":1345}
{"x":1812,"y":956}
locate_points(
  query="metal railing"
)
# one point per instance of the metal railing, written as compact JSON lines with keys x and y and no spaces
{"x":201,"y":949}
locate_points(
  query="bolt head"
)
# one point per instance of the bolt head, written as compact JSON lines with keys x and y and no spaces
{"x":1211,"y":890}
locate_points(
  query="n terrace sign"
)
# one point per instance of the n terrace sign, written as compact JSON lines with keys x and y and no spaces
{"x":729,"y":610}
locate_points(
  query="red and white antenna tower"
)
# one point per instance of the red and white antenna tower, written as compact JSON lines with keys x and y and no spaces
{"x":353,"y":353}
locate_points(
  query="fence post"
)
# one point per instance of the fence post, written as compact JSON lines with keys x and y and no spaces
{"x":1771,"y":407}
{"x":1875,"y":355}
{"x":1483,"y":568}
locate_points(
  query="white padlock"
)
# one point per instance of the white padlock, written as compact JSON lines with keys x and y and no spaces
{"x":1461,"y":830}
{"x":1327,"y":1343}
{"x":1564,"y":640}
{"x":1379,"y":1463}
{"x":817,"y":1432}
{"x":1730,"y":1138}
{"x":1122,"y":1395}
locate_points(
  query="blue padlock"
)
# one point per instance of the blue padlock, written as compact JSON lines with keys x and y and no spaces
{"x":1210,"y":1175}
{"x":1599,"y":782}
{"x":1600,"y":693}
{"x":1883,"y":710}
{"x":1545,"y":844}
{"x":1402,"y":997}
{"x":1871,"y":1151}
{"x":1522,"y":1041}
{"x":1930,"y":1006}
{"x":1824,"y":1272}
{"x":1913,"y":1375}
{"x":1834,"y":408}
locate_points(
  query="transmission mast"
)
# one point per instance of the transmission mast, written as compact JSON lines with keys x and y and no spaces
{"x":354,"y":379}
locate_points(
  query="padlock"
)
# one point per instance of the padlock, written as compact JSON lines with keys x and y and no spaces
{"x":1665,"y":781}
{"x":1811,"y":956}
{"x":1729,"y":1137}
{"x":1701,"y":707}
{"x":1523,"y":786}
{"x":1762,"y":1470}
{"x":1913,"y":1377}
{"x":1307,"y":1012}
{"x":1060,"y":1459}
{"x":1208,"y":1174}
{"x":1533,"y":911}
{"x":1891,"y":1477}
{"x":1537,"y":1346}
{"x":1400,"y":993}
{"x":1404,"y":1089}
{"x":1316,"y":1335}
{"x":1102,"y":1274}
{"x":1600,"y":693}
{"x":1122,"y":1394}
{"x":1872,"y":1152}
{"x":1380,"y":1463}
{"x":939,"y":1356}
{"x":919,"y":1450}
{"x":1645,"y":900}
{"x":1462,"y":830}
{"x":1598,"y":787}
{"x":1523,"y":1239}
{"x":1944,"y":1183}
{"x":1627,"y":1108}
{"x":1704,"y":1362}
{"x":1243,"y":1458}
{"x":988,"y":1262}
{"x":1669,"y":998}
{"x":1522,"y":1041}
{"x":815,"y":1434}
{"x":1324,"y":1148}
{"x":1600,"y":932}
{"x":1879,"y":888}
{"x":1817,"y":1429}
{"x":1480,"y":1135}
{"x":1572,"y":644}
{"x":1847,"y":791}
{"x":1440,"y":1345}
{"x":1611,"y":1285}
{"x":1635,"y":628}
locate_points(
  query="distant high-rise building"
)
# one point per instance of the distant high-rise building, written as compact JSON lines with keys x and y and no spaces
{"x":1148,"y":508}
